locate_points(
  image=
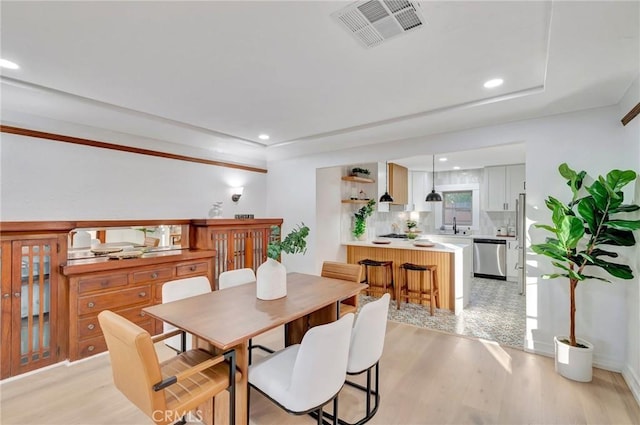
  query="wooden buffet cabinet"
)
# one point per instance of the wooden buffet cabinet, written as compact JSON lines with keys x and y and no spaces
{"x":49,"y":304}
{"x":125,"y":287}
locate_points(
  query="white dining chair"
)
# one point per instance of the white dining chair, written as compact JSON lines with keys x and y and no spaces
{"x":232,"y":278}
{"x":176,"y":290}
{"x":367,"y":344}
{"x":304,"y":377}
{"x":237,"y":277}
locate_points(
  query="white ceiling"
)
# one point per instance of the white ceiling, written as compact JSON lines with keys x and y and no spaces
{"x":214,"y":75}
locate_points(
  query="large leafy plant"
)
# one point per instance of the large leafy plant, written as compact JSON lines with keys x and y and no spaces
{"x":295,"y":242}
{"x":584,"y":227}
{"x":360,"y":223}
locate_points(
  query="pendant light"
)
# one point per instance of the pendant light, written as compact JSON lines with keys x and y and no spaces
{"x":386,"y":197}
{"x":433,"y":196}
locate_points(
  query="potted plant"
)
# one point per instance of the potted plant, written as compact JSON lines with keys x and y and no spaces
{"x":271,"y":277}
{"x":360,"y":219}
{"x":360,"y":172}
{"x":582,"y":229}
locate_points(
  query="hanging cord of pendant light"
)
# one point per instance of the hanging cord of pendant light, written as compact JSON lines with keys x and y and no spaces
{"x":386,"y":197}
{"x":433,"y":196}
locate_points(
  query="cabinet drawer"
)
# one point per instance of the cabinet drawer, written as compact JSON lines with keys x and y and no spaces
{"x":104,"y":282}
{"x":190,"y":269}
{"x":151,"y":275}
{"x":89,"y":327}
{"x":112,"y":301}
{"x":96,"y":345}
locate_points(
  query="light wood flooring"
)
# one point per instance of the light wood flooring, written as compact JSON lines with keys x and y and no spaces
{"x":427,"y":377}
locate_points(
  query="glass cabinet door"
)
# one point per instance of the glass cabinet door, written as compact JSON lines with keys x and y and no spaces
{"x":34,"y":286}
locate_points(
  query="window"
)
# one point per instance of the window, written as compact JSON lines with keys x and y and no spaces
{"x":458,"y":204}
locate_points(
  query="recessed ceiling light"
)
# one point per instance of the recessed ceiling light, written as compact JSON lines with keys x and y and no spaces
{"x":456,"y":168}
{"x":263,"y":137}
{"x":494,"y":83}
{"x":8,"y":64}
{"x":442,"y":159}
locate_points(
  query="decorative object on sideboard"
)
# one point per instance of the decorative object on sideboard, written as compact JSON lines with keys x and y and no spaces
{"x":271,"y":278}
{"x":216,"y":210}
{"x":386,"y":198}
{"x":237,"y":193}
{"x":360,"y":219}
{"x":582,"y":229}
{"x":433,"y":196}
{"x":244,"y":216}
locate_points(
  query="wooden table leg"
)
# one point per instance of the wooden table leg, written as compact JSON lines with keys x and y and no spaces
{"x":295,"y":330}
{"x":217,"y":412}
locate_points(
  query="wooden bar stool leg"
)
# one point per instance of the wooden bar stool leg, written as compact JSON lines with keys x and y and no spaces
{"x":430,"y":292}
{"x":437,"y":290}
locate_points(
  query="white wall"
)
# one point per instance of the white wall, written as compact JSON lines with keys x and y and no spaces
{"x":592,"y":140}
{"x":48,"y":180}
{"x":631,"y":371}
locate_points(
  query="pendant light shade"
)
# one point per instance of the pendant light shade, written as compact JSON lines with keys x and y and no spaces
{"x":433,"y":196}
{"x":386,"y":197}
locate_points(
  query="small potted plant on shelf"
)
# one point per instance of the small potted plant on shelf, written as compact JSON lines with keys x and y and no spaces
{"x":360,"y":172}
{"x":360,"y":219}
{"x":582,"y":230}
{"x":412,"y":231}
{"x":271,"y":278}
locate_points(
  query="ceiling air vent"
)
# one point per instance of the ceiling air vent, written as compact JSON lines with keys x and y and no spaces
{"x":373,"y":22}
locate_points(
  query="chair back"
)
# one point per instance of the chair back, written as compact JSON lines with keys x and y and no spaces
{"x":176,"y":290}
{"x":321,"y":364}
{"x":344,"y":271}
{"x":367,"y":338}
{"x":134,"y":363}
{"x":237,"y":277}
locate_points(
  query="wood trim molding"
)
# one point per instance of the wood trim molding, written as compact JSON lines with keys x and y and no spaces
{"x":631,"y":114}
{"x":96,"y":144}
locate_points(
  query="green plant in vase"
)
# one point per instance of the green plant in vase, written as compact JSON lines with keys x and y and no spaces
{"x":582,"y":231}
{"x":295,"y":242}
{"x":360,"y":219}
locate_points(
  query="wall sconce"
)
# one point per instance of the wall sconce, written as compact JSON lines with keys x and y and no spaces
{"x":237,"y":193}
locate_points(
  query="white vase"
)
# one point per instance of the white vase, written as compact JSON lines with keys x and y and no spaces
{"x":271,"y":280}
{"x":575,"y":363}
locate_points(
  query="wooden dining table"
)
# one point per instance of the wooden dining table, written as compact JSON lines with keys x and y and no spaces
{"x":229,"y":318}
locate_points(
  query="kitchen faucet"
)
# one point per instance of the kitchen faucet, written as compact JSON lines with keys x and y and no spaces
{"x":455,"y":226}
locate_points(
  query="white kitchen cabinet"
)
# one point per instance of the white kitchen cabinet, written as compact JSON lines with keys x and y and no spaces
{"x":512,"y":260}
{"x":420,"y":186}
{"x":503,"y":184}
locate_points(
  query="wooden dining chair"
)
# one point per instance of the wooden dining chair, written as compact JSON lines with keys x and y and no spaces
{"x":344,"y":271}
{"x":167,"y":391}
{"x":304,"y":377}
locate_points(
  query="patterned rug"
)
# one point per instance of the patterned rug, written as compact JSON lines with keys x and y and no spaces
{"x":496,"y":312}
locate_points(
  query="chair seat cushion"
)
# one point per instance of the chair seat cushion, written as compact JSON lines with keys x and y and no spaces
{"x":272,"y":374}
{"x":189,"y":393}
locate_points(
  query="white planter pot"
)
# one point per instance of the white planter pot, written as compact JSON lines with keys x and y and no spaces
{"x":271,"y":280}
{"x":574,"y":363}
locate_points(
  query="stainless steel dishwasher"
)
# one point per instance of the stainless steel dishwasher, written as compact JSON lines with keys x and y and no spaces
{"x":490,"y":258}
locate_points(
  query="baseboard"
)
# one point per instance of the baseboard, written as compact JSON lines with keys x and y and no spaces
{"x":632,"y":381}
{"x":548,"y":350}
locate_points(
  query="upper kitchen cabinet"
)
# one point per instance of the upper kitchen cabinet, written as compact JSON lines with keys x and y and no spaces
{"x":503,"y":184}
{"x":398,"y":183}
{"x":419,"y":188}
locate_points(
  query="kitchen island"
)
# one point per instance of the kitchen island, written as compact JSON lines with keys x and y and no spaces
{"x":453,"y":274}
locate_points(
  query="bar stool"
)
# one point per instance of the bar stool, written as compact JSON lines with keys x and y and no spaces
{"x":378,"y":275}
{"x":423,"y":293}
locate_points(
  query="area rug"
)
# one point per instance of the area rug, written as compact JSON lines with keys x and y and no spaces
{"x":496,"y":312}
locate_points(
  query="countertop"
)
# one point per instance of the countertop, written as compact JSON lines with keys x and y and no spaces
{"x":405,"y":244}
{"x":460,"y":235}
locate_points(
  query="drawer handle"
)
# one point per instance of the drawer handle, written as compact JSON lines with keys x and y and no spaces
{"x":192,"y":268}
{"x":91,"y":326}
{"x":91,"y":348}
{"x":154,"y":275}
{"x":142,"y":314}
{"x":142,"y":294}
{"x":91,"y":305}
